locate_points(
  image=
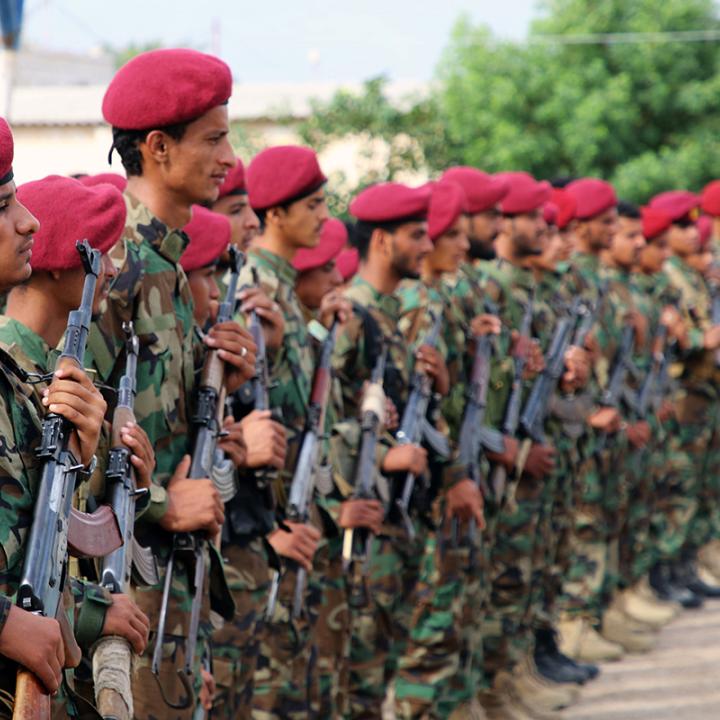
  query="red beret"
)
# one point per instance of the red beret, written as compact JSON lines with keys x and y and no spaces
{"x":281,"y":174}
{"x":710,"y":198}
{"x":676,"y":203}
{"x":209,"y":234}
{"x":704,"y":225}
{"x":525,"y":193}
{"x":333,"y":238}
{"x":165,"y":87}
{"x":234,"y":181}
{"x":654,"y":222}
{"x":7,"y":150}
{"x":391,"y":202}
{"x":69,"y":211}
{"x":108,"y":178}
{"x":447,"y":204}
{"x":550,"y":213}
{"x":483,"y":191}
{"x":348,"y":262}
{"x":592,"y":197}
{"x":566,"y":206}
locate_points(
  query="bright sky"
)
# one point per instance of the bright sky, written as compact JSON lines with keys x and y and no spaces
{"x":279,"y":40}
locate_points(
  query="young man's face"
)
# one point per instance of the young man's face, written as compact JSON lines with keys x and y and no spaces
{"x":301,"y":223}
{"x":17,"y":226}
{"x":244,"y":222}
{"x":312,"y":285}
{"x":627,"y":242}
{"x":198,"y":163}
{"x":451,"y":248}
{"x":484,"y":228}
{"x":555,"y":250}
{"x":409,"y":245}
{"x":684,"y":239}
{"x":598,"y":231}
{"x":653,"y":256}
{"x":527,"y":232}
{"x":205,"y":293}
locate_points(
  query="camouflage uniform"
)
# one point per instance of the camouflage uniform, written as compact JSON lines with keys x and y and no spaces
{"x":151,"y":289}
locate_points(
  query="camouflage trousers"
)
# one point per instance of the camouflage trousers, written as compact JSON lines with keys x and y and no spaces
{"x":235,"y":645}
{"x":381,"y":625}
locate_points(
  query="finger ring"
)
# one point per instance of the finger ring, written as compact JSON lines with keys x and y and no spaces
{"x":243,"y":352}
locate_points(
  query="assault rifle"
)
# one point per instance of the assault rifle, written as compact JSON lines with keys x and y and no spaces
{"x":56,"y":528}
{"x":302,"y":486}
{"x":414,"y":426}
{"x":131,"y":559}
{"x":189,"y":549}
{"x":650,"y":393}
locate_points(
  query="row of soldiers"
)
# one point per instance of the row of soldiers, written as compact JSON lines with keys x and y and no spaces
{"x":446,"y":458}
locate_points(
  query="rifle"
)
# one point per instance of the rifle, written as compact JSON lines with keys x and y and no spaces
{"x":714,"y":288}
{"x":470,"y":445}
{"x":356,"y":543}
{"x":56,"y":530}
{"x":129,"y":560}
{"x":302,"y":486}
{"x":649,"y":394}
{"x":189,"y":548}
{"x":498,"y":474}
{"x":414,"y":426}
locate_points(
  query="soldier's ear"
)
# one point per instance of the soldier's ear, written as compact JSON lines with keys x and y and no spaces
{"x":380,"y":241}
{"x":156,"y":143}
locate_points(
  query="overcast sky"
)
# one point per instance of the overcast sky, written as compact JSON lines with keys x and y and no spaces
{"x":280,"y":40}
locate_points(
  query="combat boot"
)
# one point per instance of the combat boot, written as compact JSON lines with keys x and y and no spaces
{"x":661,"y":581}
{"x":472,"y":710}
{"x":501,"y":704}
{"x":709,"y":558}
{"x":631,"y":635}
{"x":507,"y":683}
{"x":580,"y":641}
{"x":644,"y":590}
{"x":684,"y":573}
{"x":637,"y":607}
{"x":538,"y":694}
{"x":555,"y":666}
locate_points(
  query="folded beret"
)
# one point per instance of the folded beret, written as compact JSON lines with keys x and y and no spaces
{"x":676,"y":203}
{"x":704,"y":225}
{"x":109,"y":178}
{"x":566,"y":206}
{"x":282,"y":174}
{"x":165,"y":87}
{"x":234,"y":181}
{"x":348,"y":262}
{"x":525,"y":193}
{"x":7,"y":150}
{"x":654,"y":222}
{"x":391,"y":202}
{"x":483,"y":191}
{"x":447,"y":204}
{"x":69,"y":211}
{"x":333,"y":238}
{"x":592,"y":197}
{"x":710,"y":198}
{"x":209,"y":234}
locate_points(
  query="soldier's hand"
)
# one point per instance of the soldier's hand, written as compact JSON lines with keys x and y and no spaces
{"x":405,"y":458}
{"x":232,"y":441}
{"x":577,"y":369}
{"x":640,"y":324}
{"x":192,"y":504}
{"x":485,"y":325}
{"x":72,"y":395}
{"x":362,"y":514}
{"x":266,"y":440}
{"x":300,"y":544}
{"x":671,"y":318}
{"x":35,"y":642}
{"x":540,"y":461}
{"x":638,"y":434}
{"x":236,"y":347}
{"x":332,"y":304}
{"x":273,"y":322}
{"x":465,"y":501}
{"x":711,"y":339}
{"x":508,"y":457}
{"x":142,"y":454}
{"x":605,"y":420}
{"x":665,"y":411}
{"x":125,"y":619}
{"x":431,"y":362}
{"x":528,"y":348}
{"x":207,"y":691}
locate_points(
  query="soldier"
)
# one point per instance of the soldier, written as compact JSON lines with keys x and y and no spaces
{"x":169,"y":117}
{"x":285,"y":188}
{"x":37,"y":324}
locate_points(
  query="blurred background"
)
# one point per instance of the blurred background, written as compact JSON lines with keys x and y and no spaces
{"x":627,"y":90}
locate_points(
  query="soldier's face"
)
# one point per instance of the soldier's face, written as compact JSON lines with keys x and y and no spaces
{"x":451,"y":248}
{"x":527,"y":231}
{"x":17,"y":226}
{"x":627,"y":242}
{"x":484,"y":228}
{"x":311,"y":286}
{"x":599,"y":231}
{"x":302,"y":222}
{"x":555,"y":250}
{"x":195,"y":166}
{"x":684,"y":239}
{"x":410,"y":244}
{"x":205,"y":293}
{"x":653,"y":256}
{"x":244,"y":222}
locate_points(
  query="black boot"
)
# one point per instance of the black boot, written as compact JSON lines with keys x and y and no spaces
{"x":555,"y":666}
{"x":661,"y":581}
{"x":685,"y":574}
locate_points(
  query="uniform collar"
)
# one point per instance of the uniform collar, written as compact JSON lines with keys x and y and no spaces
{"x":24,"y":345}
{"x":388,"y":304}
{"x":279,"y":265}
{"x":168,"y":243}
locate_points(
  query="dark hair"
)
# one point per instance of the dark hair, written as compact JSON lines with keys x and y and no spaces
{"x":628,"y":210}
{"x":127,"y":144}
{"x":561,"y":181}
{"x":285,"y":205}
{"x":362,"y":232}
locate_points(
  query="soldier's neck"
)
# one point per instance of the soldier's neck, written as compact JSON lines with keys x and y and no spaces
{"x":384,"y":279}
{"x":39,"y":311}
{"x":505,"y":251}
{"x":275,"y":243}
{"x":167,"y":205}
